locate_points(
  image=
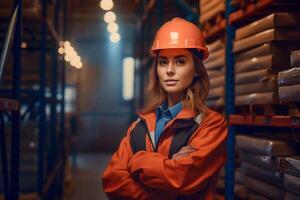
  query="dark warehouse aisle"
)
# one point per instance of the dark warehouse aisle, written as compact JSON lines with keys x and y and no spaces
{"x":87,"y":176}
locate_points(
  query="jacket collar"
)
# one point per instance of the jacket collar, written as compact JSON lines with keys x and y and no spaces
{"x":150,"y":118}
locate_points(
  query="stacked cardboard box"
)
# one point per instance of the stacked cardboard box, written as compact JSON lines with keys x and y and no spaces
{"x":262,"y":49}
{"x":215,"y":66}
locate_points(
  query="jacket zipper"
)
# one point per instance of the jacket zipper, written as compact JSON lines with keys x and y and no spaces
{"x":148,"y":133}
{"x":155,"y":147}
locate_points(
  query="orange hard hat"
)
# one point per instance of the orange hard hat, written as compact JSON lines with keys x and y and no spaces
{"x":179,"y":33}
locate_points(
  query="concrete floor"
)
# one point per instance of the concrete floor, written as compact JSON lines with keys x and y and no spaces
{"x":87,"y":176}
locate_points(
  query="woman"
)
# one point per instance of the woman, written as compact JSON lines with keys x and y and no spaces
{"x":176,"y":148}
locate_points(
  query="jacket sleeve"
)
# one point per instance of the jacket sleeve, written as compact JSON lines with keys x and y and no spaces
{"x":117,"y":180}
{"x":189,"y":174}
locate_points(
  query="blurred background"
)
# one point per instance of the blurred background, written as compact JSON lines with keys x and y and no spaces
{"x":72,"y":77}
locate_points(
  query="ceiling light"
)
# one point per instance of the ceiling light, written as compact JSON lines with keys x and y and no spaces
{"x":110,"y":17}
{"x":106,"y":4}
{"x":67,"y":44}
{"x":61,"y":50}
{"x":115,"y":37}
{"x":112,"y":27}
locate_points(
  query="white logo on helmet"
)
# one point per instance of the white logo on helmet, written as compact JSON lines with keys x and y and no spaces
{"x":174,"y":36}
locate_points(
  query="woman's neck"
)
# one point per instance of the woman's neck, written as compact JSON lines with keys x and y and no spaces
{"x":173,"y":99}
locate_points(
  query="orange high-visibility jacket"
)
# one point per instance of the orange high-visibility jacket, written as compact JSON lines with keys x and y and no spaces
{"x":152,"y":175}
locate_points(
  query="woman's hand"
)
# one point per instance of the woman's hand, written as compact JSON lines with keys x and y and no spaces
{"x":184,"y":151}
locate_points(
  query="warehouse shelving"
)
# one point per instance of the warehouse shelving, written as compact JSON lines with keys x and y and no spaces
{"x":239,"y":120}
{"x":47,"y":38}
{"x":11,"y":177}
{"x":9,"y":182}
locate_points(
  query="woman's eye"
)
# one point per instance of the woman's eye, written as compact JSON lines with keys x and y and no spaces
{"x":163,"y":62}
{"x":180,"y":61}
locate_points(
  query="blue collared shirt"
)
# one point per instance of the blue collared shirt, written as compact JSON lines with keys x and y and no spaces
{"x":163,"y":116}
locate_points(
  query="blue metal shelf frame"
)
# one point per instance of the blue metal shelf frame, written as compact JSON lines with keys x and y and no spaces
{"x":229,"y":105}
{"x":6,"y":182}
{"x":16,"y":119}
{"x":11,"y":183}
{"x":42,"y":100}
{"x":49,"y":182}
{"x":62,"y":113}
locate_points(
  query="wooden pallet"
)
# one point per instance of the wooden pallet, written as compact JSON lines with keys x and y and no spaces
{"x":267,"y":110}
{"x":291,"y":109}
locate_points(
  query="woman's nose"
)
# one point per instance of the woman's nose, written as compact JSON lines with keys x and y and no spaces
{"x":170,"y":69}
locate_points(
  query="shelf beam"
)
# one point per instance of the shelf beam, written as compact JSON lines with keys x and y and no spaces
{"x":9,"y":104}
{"x":250,"y":10}
{"x":271,"y":121}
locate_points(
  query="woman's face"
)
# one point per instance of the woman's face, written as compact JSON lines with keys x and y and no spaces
{"x":175,"y":70}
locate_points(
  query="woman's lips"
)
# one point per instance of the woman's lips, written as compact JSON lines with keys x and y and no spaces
{"x":171,"y":82}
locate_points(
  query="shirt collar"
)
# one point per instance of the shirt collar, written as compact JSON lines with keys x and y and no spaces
{"x":173,"y":111}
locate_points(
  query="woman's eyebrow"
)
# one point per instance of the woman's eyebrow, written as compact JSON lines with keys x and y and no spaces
{"x":162,"y":57}
{"x":179,"y":56}
{"x":184,"y":56}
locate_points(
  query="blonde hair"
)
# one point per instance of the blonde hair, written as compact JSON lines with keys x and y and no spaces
{"x":195,"y":94}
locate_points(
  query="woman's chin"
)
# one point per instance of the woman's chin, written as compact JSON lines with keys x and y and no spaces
{"x":174,"y":90}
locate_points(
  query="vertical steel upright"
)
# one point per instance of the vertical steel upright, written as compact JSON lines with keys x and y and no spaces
{"x":62,"y":102}
{"x":4,"y":160}
{"x":53,"y":158}
{"x":16,"y":119}
{"x":53,"y":111}
{"x":42,"y":99}
{"x":229,"y":104}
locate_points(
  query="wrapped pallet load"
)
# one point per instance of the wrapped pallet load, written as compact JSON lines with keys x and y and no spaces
{"x":215,"y":65}
{"x":211,"y":14}
{"x":289,"y":81}
{"x":270,"y":165}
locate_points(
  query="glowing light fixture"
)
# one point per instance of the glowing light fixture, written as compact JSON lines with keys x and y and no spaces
{"x":128,"y":78}
{"x":115,"y":37}
{"x":112,"y":27}
{"x":106,"y":4}
{"x":61,"y":50}
{"x":79,"y":66}
{"x":67,"y":43}
{"x":67,"y":58}
{"x":70,"y":54}
{"x":23,"y":45}
{"x":110,"y":17}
